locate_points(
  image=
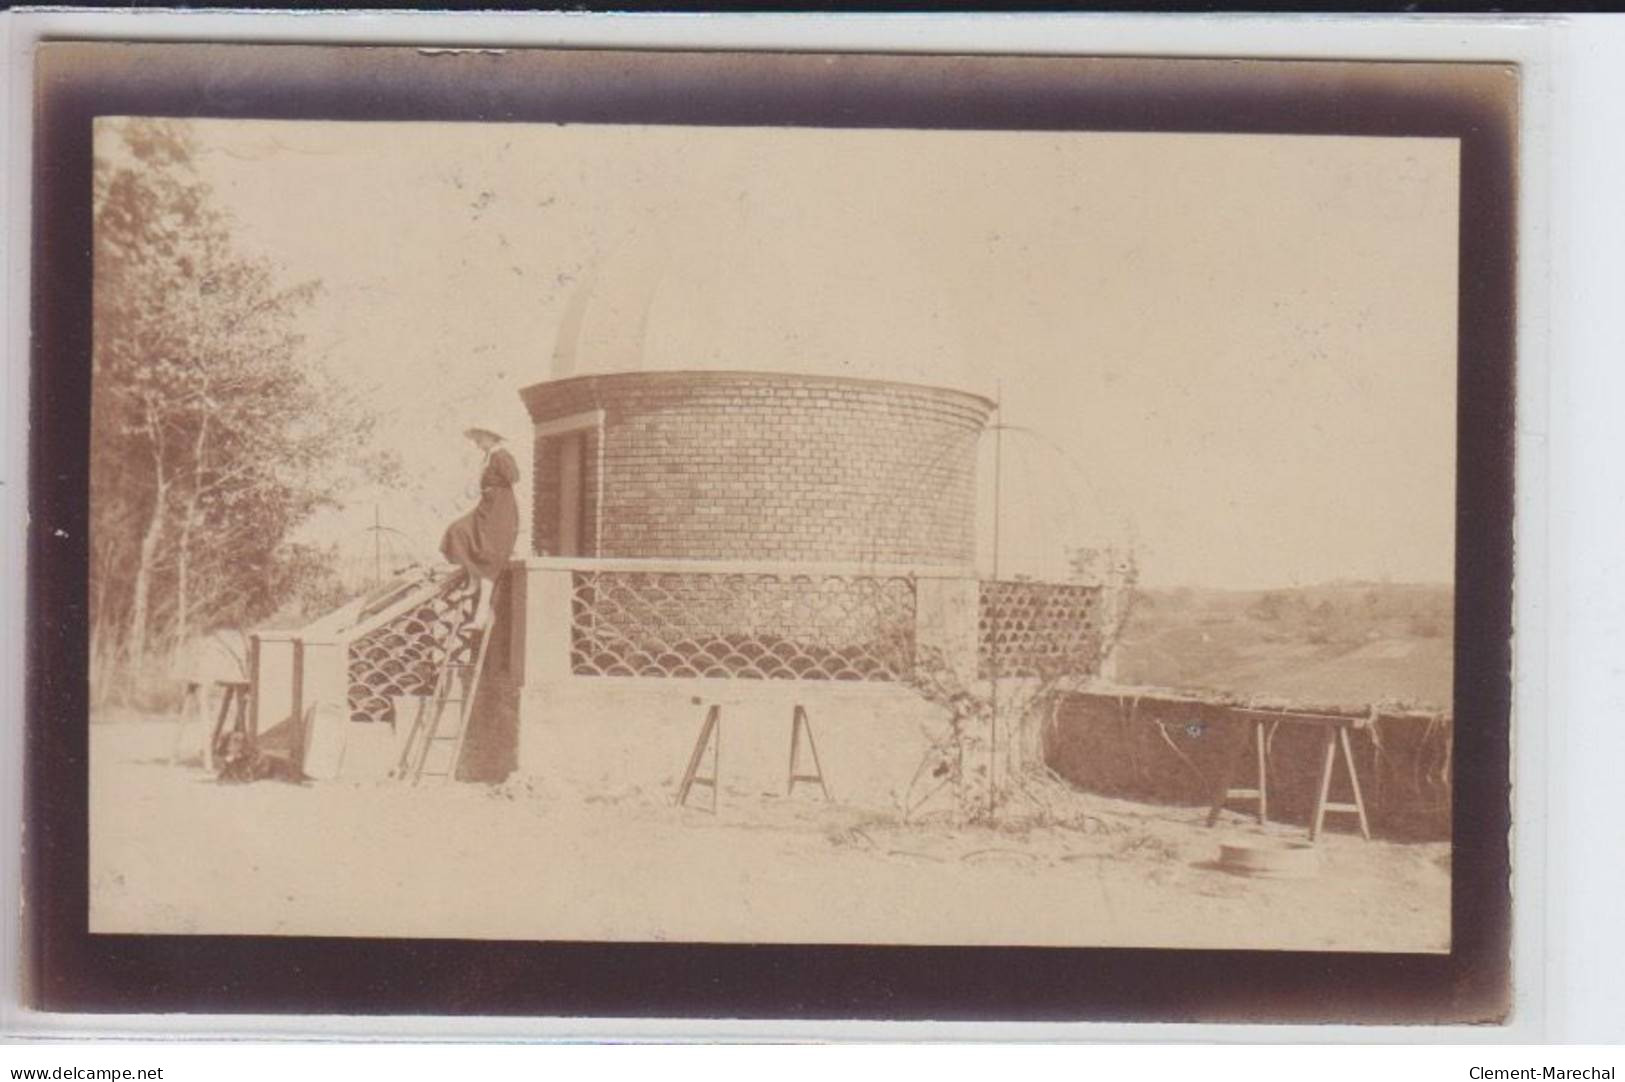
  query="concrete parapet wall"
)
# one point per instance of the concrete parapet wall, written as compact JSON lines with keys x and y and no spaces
{"x":609,"y":737}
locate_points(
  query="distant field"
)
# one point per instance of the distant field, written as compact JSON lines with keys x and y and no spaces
{"x":1353,"y":643}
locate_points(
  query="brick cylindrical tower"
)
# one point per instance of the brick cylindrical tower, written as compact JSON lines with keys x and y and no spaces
{"x":755,"y":466}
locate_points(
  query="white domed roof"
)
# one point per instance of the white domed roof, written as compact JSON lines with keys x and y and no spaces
{"x":796,"y":299}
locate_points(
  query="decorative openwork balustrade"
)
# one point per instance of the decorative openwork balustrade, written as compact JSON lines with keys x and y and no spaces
{"x":753,"y":622}
{"x":1038,"y":628}
{"x":591,"y":635}
{"x":770,"y":624}
{"x":357,"y":658}
{"x":401,"y":646}
{"x":576,"y":618}
{"x":750,"y":625}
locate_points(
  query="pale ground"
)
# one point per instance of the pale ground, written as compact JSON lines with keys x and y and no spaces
{"x":174,"y":852}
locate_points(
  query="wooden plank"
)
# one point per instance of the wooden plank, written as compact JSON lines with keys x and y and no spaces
{"x":801,"y":724}
{"x":1263,"y":773}
{"x":1328,"y":759}
{"x":1354,"y":782}
{"x":710,"y":736}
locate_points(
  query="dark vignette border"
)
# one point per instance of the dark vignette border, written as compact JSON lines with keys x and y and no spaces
{"x":68,"y":969}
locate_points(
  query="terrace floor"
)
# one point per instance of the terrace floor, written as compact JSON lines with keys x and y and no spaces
{"x":174,"y":852}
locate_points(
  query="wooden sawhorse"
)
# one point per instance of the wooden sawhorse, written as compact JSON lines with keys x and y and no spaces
{"x":1335,"y":739}
{"x":710,"y":739}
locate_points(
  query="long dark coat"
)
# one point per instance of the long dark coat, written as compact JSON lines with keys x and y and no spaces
{"x":482,"y":541}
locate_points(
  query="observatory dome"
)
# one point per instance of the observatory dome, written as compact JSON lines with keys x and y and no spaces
{"x":793,"y":301}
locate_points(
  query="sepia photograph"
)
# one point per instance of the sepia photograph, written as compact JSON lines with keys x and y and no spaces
{"x":571,"y":532}
{"x":608,"y":532}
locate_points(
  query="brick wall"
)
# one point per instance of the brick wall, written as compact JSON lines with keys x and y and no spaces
{"x":758,"y":466}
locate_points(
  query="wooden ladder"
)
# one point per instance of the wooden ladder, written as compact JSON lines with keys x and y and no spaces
{"x":457,"y":686}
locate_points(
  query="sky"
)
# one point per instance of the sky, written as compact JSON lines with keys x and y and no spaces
{"x":1236,"y":354}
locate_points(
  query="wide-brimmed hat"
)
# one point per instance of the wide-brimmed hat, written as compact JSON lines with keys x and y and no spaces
{"x":479,"y":430}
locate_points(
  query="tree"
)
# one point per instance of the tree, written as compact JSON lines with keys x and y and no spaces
{"x":213,"y":434}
